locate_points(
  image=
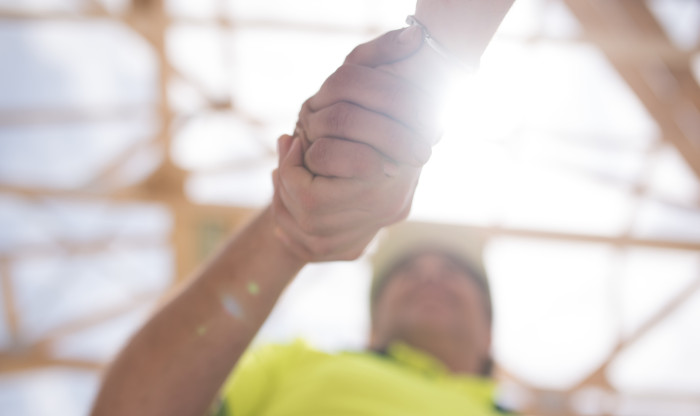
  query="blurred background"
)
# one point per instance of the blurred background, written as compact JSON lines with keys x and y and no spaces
{"x":135,"y":135}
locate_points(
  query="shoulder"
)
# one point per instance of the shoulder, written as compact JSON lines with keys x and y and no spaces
{"x":266,"y":363}
{"x":257,"y":374}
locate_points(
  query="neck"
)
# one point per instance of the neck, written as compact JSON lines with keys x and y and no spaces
{"x":459,"y":356}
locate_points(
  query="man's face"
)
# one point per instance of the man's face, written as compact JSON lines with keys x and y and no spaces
{"x":431,"y":295}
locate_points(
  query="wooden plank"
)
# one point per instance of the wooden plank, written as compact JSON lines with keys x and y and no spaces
{"x":54,"y":116}
{"x":622,"y":241}
{"x":106,"y":177}
{"x":9,"y":303}
{"x":599,"y":374}
{"x":193,"y":217}
{"x":95,"y":318}
{"x":630,"y":18}
{"x":20,"y":363}
{"x":69,"y":248}
{"x":39,"y":16}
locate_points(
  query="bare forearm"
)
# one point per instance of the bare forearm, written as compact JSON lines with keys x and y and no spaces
{"x":463,"y":28}
{"x":176,"y":363}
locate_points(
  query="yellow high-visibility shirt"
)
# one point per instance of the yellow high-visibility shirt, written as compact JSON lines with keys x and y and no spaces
{"x":296,"y":380}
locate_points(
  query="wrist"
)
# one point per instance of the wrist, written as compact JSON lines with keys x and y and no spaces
{"x":280,"y":246}
{"x":463,"y":29}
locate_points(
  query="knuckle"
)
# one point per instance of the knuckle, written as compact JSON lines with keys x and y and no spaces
{"x":337,"y":118}
{"x":345,"y":73}
{"x":336,"y":77}
{"x":355,"y":54}
{"x":303,"y":117}
{"x":339,"y":78}
{"x":316,"y":155}
{"x":305,"y":108}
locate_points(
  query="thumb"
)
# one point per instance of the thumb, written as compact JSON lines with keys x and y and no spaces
{"x":388,"y":48}
{"x":294,"y":156}
{"x":292,"y":169}
{"x":284,"y":143}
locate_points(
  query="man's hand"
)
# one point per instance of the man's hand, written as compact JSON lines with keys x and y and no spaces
{"x":354,"y":162}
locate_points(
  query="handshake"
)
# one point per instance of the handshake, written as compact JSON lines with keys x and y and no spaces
{"x":357,"y":152}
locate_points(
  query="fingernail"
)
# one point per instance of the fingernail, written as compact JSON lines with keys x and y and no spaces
{"x":410,"y":35}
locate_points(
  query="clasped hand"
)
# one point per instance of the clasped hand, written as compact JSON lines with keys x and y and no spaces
{"x":354,"y":161}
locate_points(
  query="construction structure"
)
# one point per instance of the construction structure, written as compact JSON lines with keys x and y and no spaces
{"x":106,"y":203}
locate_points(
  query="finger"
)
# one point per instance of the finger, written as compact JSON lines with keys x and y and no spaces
{"x":292,"y":165}
{"x":377,"y":201}
{"x":284,"y":143}
{"x":343,"y":159}
{"x":340,"y":221}
{"x":281,"y":216}
{"x":307,"y":196}
{"x":310,"y":193}
{"x":348,"y":121}
{"x":380,"y":92}
{"x":390,"y":47}
{"x":333,"y":246}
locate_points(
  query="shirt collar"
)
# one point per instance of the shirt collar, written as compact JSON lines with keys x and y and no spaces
{"x":428,"y":365}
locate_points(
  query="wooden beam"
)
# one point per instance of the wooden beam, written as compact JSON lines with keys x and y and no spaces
{"x":35,"y":192}
{"x":11,"y":363}
{"x":230,"y":217}
{"x":9,"y":303}
{"x":38,"y":117}
{"x":95,"y":318}
{"x":637,"y":189}
{"x":621,"y":241}
{"x":69,"y":248}
{"x":278,"y":25}
{"x":662,"y":87}
{"x":105,"y":178}
{"x":17,"y":15}
{"x":669,"y":308}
